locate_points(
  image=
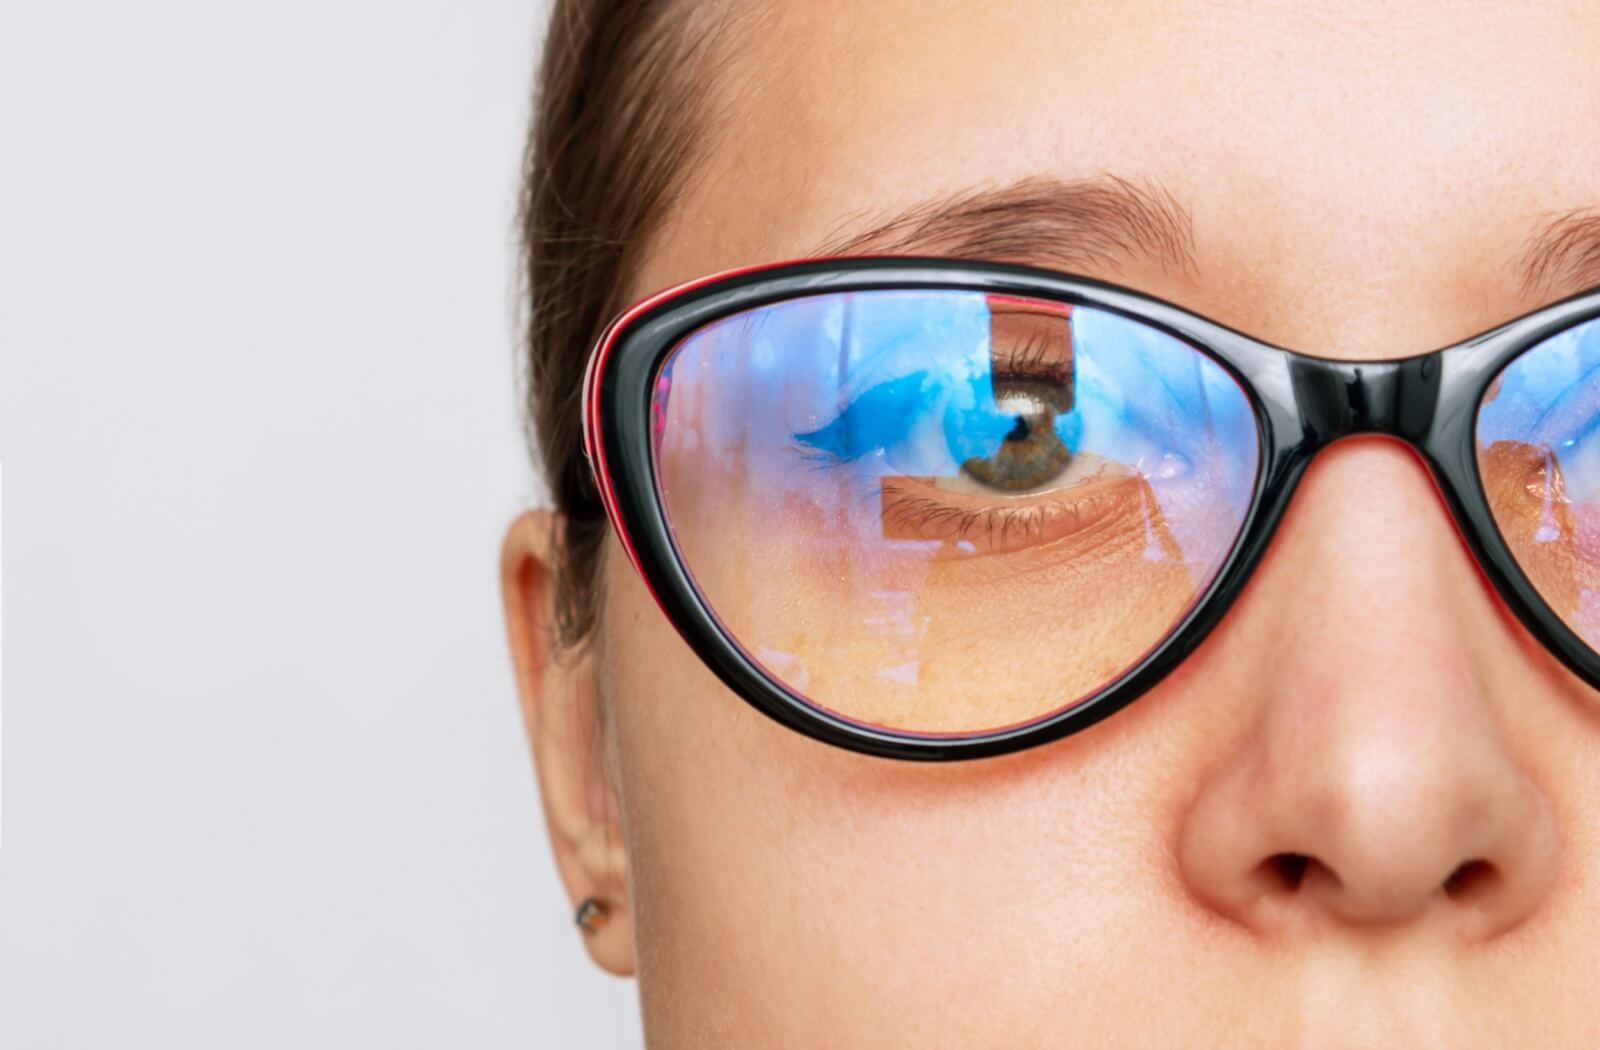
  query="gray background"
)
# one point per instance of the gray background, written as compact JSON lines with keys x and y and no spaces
{"x":265,"y":783}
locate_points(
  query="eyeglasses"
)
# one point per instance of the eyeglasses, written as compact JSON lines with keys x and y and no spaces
{"x":932,"y":509}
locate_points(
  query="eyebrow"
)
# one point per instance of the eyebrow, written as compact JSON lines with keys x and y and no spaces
{"x":1563,"y":254}
{"x":1107,"y":220}
{"x":1102,"y":220}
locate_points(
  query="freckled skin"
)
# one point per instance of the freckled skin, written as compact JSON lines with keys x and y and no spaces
{"x":1357,"y":178}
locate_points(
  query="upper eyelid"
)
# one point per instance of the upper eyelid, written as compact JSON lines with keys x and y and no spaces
{"x":1032,"y":360}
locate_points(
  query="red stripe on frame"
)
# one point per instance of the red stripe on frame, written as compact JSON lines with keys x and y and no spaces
{"x":593,"y":446}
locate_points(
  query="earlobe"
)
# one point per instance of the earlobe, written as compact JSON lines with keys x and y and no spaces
{"x":556,"y":690}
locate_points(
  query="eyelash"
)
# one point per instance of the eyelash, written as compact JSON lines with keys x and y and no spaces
{"x":1030,"y":523}
{"x":1031,"y":362}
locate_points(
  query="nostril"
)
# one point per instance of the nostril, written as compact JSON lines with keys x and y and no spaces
{"x":1288,"y":872}
{"x":1287,"y":869}
{"x":1470,"y":879}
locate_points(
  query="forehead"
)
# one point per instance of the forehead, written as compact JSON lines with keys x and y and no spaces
{"x":1359,"y":184}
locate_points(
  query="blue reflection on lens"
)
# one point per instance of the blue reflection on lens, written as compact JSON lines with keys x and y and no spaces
{"x":904,"y":362}
{"x":1548,"y":400}
{"x":1540,"y":465}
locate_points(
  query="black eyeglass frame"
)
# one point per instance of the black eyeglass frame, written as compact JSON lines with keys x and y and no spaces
{"x":1302,"y":404}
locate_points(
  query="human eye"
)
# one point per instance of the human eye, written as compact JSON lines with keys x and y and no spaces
{"x":982,"y":448}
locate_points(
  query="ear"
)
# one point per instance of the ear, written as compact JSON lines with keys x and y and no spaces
{"x":558,"y":698}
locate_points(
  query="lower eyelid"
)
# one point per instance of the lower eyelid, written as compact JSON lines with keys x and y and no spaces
{"x":917,"y":509}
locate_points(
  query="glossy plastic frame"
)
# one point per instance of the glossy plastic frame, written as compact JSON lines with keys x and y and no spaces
{"x":1430,"y":402}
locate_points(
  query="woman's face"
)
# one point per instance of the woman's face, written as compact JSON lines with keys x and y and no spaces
{"x":1361,"y":813}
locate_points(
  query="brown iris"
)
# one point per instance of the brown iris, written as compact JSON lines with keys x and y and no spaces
{"x":1032,"y":453}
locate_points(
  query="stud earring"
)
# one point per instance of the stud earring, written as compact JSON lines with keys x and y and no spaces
{"x":592,"y":915}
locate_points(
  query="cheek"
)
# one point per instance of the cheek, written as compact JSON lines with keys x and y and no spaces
{"x":897,"y":891}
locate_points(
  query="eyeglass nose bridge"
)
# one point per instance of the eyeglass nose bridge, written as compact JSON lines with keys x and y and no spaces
{"x":1336,"y":399}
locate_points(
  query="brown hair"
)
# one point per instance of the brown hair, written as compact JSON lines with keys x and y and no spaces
{"x":611,"y":135}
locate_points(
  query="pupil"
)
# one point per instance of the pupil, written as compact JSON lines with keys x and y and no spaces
{"x":1021,"y":431}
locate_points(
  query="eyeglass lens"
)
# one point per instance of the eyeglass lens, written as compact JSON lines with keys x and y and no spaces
{"x":948,"y":512}
{"x":1539,"y":459}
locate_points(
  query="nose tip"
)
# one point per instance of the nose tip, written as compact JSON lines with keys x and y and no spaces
{"x":1388,"y":850}
{"x":1376,"y":840}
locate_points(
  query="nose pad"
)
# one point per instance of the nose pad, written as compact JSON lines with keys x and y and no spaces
{"x":1372,"y":783}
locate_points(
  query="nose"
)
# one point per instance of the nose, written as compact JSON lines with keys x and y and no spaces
{"x":1371,"y":780}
